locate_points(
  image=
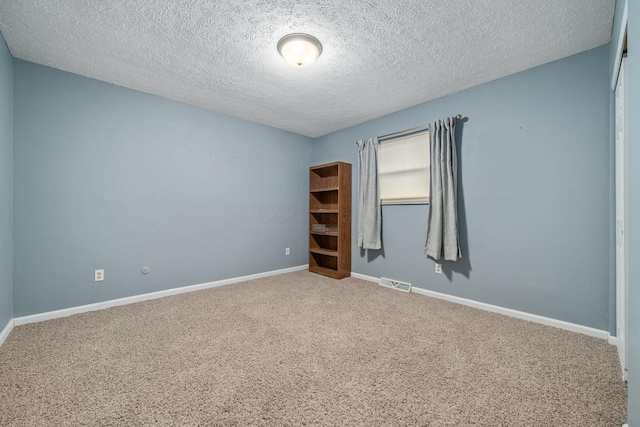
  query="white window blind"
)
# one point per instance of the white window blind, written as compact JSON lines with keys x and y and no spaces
{"x":403,"y":169}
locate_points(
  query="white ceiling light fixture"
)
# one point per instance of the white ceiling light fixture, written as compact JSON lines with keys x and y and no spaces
{"x":299,"y":49}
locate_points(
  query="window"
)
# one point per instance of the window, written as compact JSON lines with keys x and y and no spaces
{"x":403,"y":169}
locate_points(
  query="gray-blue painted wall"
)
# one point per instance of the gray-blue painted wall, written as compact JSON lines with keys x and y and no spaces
{"x":6,"y":179}
{"x":107,"y":177}
{"x":633,"y":230}
{"x":534,"y":169}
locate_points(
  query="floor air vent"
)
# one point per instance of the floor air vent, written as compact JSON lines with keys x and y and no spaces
{"x":395,"y":284}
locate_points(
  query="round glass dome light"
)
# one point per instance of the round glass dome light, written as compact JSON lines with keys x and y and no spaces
{"x":299,"y":49}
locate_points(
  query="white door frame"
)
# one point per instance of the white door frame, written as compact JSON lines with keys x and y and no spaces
{"x":621,"y":169}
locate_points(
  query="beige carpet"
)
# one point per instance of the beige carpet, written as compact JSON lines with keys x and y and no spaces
{"x":301,"y":349}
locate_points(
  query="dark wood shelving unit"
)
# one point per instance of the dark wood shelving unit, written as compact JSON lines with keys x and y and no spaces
{"x":330,"y":205}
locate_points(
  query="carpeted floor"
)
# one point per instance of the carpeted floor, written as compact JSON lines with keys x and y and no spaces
{"x":301,"y":349}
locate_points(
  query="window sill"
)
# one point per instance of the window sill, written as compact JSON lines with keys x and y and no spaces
{"x":419,"y":202}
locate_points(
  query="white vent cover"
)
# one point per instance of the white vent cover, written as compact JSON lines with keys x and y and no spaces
{"x":395,"y":284}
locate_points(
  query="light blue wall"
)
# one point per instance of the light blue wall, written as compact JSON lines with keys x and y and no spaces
{"x":534,"y":166}
{"x":6,"y":179}
{"x":107,"y":177}
{"x":633,"y":231}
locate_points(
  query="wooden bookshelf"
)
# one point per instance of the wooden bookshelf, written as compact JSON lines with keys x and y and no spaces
{"x":330,"y":211}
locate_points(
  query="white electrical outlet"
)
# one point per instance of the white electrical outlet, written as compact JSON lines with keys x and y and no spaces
{"x":99,"y":277}
{"x":438,"y":268}
{"x":287,"y":251}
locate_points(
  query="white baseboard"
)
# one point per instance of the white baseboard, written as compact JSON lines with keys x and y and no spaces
{"x":365,"y":277}
{"x":573,"y":327}
{"x":6,"y":331}
{"x":40,"y":317}
{"x":175,"y":291}
{"x":613,"y":340}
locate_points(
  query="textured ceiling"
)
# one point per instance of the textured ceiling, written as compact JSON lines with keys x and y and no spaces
{"x":378,"y":56}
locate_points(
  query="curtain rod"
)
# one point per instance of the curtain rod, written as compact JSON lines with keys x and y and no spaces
{"x":410,"y":131}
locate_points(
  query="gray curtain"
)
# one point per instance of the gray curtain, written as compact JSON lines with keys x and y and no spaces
{"x":369,"y":211}
{"x":442,"y":234}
